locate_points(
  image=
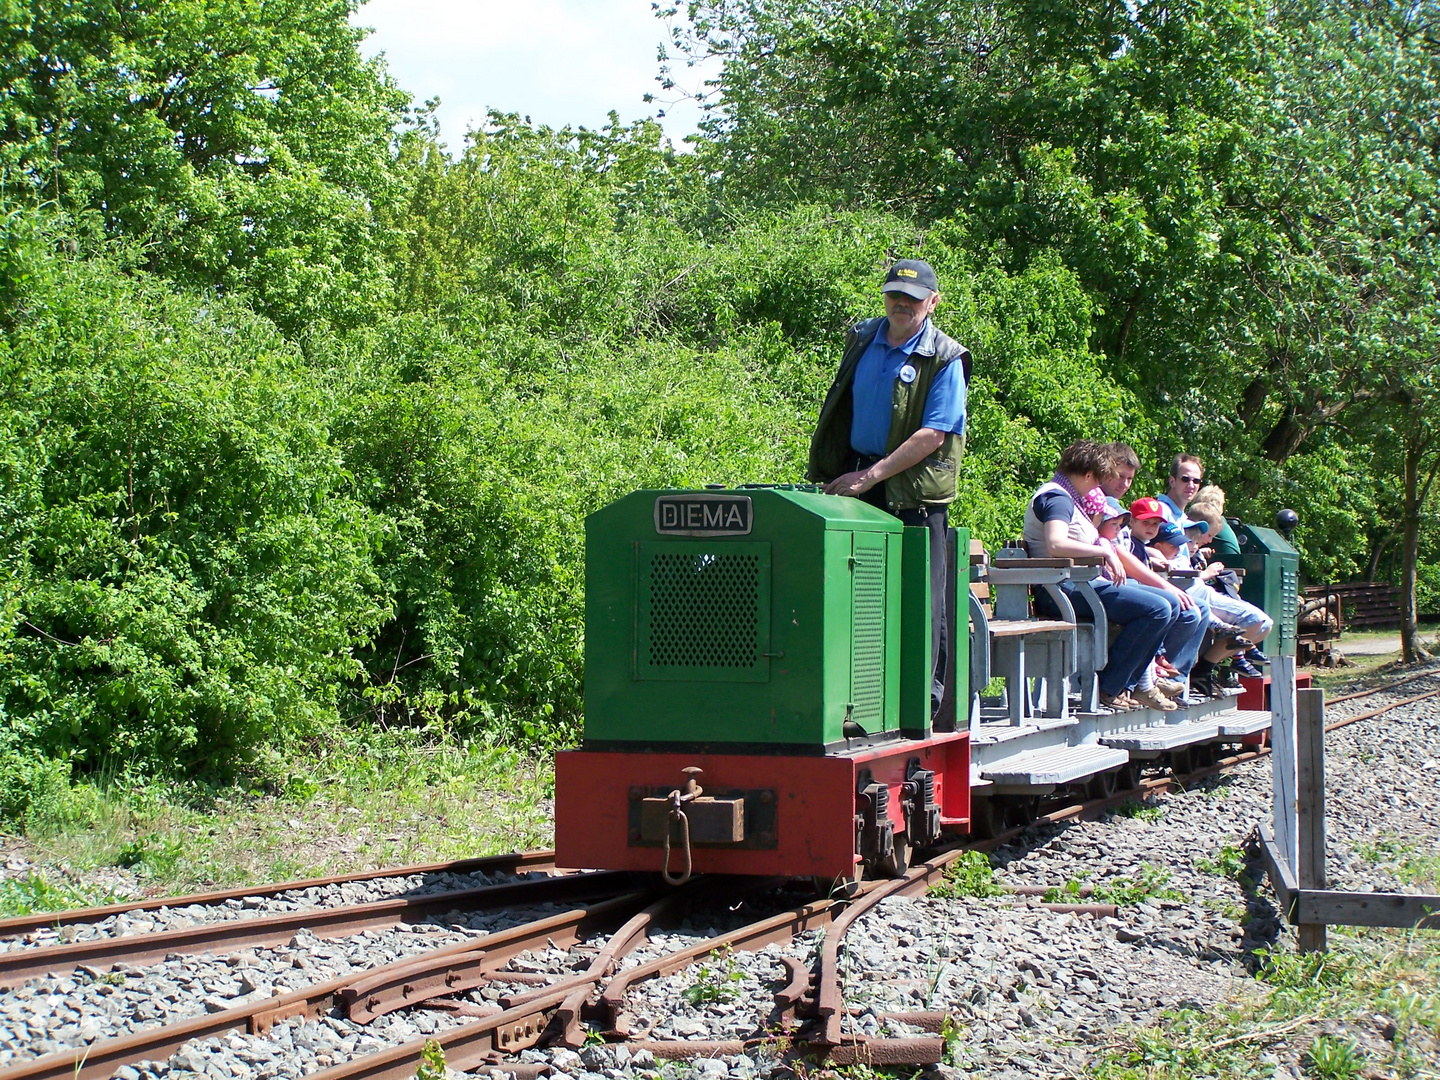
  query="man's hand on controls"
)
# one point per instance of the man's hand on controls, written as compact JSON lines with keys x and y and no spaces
{"x":914,"y":449}
{"x":852,"y":483}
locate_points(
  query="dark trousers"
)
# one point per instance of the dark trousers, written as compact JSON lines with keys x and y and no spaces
{"x":934,"y":519}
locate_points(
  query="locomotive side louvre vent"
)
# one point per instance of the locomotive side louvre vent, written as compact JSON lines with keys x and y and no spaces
{"x":1289,"y":606}
{"x":867,"y":655}
{"x":704,"y":612}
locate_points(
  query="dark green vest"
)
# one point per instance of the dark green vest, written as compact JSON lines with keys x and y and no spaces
{"x":930,"y":482}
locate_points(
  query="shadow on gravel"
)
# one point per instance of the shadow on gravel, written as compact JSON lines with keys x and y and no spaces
{"x":1263,"y":923}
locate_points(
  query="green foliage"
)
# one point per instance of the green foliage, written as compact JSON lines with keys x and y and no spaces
{"x":1330,"y":1058}
{"x":971,"y":875}
{"x":187,"y":571}
{"x":245,"y":144}
{"x":1302,"y":972}
{"x":32,"y":893}
{"x":302,"y":416}
{"x":716,"y":981}
{"x":432,"y":1064}
{"x":1150,"y":884}
{"x":1185,"y":1045}
{"x":1140,"y":811}
{"x":1403,"y":858}
{"x":151,"y":856}
{"x":1229,"y":863}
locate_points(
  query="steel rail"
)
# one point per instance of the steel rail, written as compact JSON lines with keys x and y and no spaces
{"x":557,"y":1008}
{"x":100,"y":1060}
{"x":1387,"y":686}
{"x":1348,"y":720}
{"x":829,"y":1003}
{"x":18,"y":965}
{"x":513,"y":863}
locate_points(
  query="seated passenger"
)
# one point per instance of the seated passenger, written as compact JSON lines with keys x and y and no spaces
{"x":1057,"y":527}
{"x":1228,"y":638}
{"x":1254,"y":624}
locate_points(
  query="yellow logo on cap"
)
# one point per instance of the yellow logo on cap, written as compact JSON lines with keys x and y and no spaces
{"x":907,"y":272}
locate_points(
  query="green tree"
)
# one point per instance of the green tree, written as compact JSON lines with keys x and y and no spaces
{"x":244,"y":143}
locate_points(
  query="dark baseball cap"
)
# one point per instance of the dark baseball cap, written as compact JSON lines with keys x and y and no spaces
{"x":1170,"y":534}
{"x":911,"y":277}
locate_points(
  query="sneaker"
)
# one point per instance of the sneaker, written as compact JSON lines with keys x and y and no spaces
{"x":1255,"y":656}
{"x":1165,"y":667}
{"x":1154,"y":699}
{"x":1245,"y":667}
{"x":1190,"y":697}
{"x":1171,"y":688}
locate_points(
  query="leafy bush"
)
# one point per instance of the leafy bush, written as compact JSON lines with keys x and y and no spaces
{"x":187,"y":573}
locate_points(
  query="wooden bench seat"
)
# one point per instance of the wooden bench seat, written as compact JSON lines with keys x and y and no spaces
{"x":1004,"y":628}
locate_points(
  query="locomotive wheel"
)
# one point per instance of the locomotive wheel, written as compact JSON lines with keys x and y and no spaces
{"x":1102,"y":784}
{"x":898,"y":861}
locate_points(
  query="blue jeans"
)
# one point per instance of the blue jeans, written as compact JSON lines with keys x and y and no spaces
{"x":1182,"y":643}
{"x":1145,"y":616}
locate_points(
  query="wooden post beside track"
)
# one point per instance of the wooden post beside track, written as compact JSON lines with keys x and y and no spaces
{"x":1284,"y":773}
{"x":1295,"y":855}
{"x":1310,"y":789}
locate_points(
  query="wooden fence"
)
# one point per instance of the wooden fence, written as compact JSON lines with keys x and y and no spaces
{"x":1293,"y":847}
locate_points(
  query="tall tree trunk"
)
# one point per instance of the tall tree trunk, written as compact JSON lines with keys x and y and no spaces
{"x":1422,"y":464}
{"x":1285,"y":437}
{"x":1409,"y":547}
{"x":1374,"y":567}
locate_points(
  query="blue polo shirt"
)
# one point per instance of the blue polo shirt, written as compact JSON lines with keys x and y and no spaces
{"x":873,"y":393}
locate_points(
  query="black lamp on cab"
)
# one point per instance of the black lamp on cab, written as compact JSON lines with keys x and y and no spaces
{"x":1287,"y":521}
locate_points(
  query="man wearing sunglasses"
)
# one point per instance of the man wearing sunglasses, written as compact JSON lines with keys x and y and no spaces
{"x":1185,"y":475}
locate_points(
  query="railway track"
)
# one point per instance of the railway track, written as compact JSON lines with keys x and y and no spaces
{"x":494,"y":1005}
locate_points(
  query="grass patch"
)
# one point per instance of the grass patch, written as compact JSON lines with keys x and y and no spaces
{"x":1140,"y":811}
{"x":33,"y":893}
{"x":1152,"y":883}
{"x":1334,"y":1059}
{"x":386,"y":799}
{"x":1229,"y":863}
{"x":1370,"y":1006}
{"x":971,"y":875}
{"x":1403,"y":859}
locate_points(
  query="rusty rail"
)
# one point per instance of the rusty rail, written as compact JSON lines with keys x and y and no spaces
{"x":557,"y":1009}
{"x":100,"y":1060}
{"x":17,"y":965}
{"x":514,"y":863}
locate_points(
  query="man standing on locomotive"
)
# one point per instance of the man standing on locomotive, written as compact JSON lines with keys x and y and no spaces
{"x":892,"y":428}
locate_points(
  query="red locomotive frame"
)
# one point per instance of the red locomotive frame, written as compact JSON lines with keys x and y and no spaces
{"x":815,"y":803}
